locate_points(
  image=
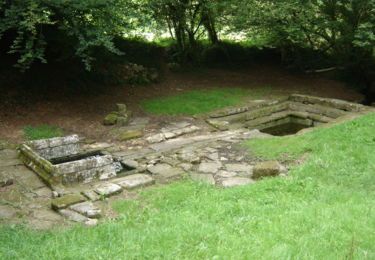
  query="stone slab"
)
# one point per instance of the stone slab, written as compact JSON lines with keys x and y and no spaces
{"x":87,"y":209}
{"x":135,"y":181}
{"x":209,"y":167}
{"x":159,"y":168}
{"x":239,"y":167}
{"x":108,"y":189}
{"x":66,"y":201}
{"x":236,"y":181}
{"x":91,"y":195}
{"x":72,"y":215}
{"x":269,"y":168}
{"x":226,"y":174}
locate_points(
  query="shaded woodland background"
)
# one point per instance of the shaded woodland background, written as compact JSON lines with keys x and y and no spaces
{"x":75,"y":47}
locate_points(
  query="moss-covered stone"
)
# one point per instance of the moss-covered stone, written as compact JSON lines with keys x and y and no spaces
{"x":128,"y":134}
{"x":110,"y":119}
{"x":269,"y":168}
{"x":121,"y":108}
{"x":66,"y":201}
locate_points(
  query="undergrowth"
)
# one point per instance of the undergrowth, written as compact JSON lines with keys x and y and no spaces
{"x":42,"y":132}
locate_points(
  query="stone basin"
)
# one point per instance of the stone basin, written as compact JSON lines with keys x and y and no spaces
{"x":60,"y":161}
{"x":283,"y":116}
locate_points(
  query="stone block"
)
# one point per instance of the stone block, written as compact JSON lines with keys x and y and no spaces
{"x":269,"y":168}
{"x":72,"y":215}
{"x":108,"y":189}
{"x":87,"y":209}
{"x":110,"y":119}
{"x":135,"y":181}
{"x":66,"y":201}
{"x":209,"y":167}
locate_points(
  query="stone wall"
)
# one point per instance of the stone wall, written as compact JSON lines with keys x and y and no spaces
{"x":56,"y":147}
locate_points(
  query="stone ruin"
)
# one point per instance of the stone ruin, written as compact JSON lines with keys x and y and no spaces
{"x":284,"y":116}
{"x":60,"y":161}
{"x":206,"y":155}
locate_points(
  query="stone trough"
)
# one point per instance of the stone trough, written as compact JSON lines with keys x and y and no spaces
{"x":284,"y":116}
{"x":60,"y":161}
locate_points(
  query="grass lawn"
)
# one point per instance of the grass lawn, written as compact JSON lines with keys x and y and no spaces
{"x":323,"y":210}
{"x":195,"y":102}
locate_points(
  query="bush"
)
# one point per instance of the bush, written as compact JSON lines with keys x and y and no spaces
{"x":42,"y":132}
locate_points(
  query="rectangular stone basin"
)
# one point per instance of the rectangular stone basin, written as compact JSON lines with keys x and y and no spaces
{"x":284,"y":116}
{"x":60,"y":161}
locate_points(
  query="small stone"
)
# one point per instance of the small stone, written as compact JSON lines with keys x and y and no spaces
{"x":91,"y":222}
{"x":87,"y":209}
{"x":72,"y":215}
{"x":99,"y":146}
{"x":54,"y":194}
{"x":108,"y":189}
{"x":130,"y":163}
{"x":110,"y":119}
{"x":171,"y":173}
{"x":66,"y":200}
{"x":5,"y":181}
{"x":159,"y":168}
{"x":89,"y":141}
{"x":121,"y":108}
{"x":128,"y":134}
{"x":236,"y":181}
{"x":213,"y":156}
{"x":169,"y":135}
{"x":186,"y":166}
{"x":155,"y":138}
{"x":122,"y":120}
{"x":91,"y":195}
{"x":270,"y":168}
{"x":135,"y":181}
{"x":211,"y":150}
{"x":43,"y":192}
{"x":223,"y":159}
{"x":239,"y":158}
{"x":283,"y":170}
{"x":206,"y":178}
{"x":238,"y":167}
{"x":189,"y":157}
{"x":209,"y":167}
{"x":225,"y":174}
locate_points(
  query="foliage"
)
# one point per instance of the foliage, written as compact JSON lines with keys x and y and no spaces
{"x":195,"y":102}
{"x":341,"y":28}
{"x":65,"y":28}
{"x":42,"y":132}
{"x":187,"y":21}
{"x":323,"y":210}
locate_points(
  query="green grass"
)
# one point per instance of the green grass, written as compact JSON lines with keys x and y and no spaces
{"x":196,"y":102}
{"x":323,"y":210}
{"x":41,"y":132}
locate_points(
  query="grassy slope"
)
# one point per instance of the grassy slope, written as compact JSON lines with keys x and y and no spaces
{"x":324,"y":210}
{"x":195,"y":102}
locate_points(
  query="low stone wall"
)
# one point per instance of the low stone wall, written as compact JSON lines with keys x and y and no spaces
{"x":38,"y":156}
{"x":55,"y":147}
{"x":307,"y":110}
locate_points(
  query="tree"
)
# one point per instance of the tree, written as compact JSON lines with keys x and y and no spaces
{"x":65,"y":27}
